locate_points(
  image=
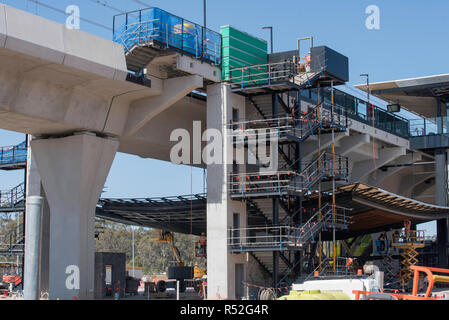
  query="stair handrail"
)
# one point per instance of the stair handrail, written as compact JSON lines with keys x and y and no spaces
{"x":10,"y":198}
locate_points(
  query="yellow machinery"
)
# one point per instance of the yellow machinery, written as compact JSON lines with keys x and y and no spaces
{"x":315,"y":295}
{"x":408,"y":241}
{"x":168,"y":237}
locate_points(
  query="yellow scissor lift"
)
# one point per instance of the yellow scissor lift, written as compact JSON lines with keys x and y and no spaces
{"x":408,"y":242}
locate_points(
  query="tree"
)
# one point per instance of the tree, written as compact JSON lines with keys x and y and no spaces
{"x":153,"y":256}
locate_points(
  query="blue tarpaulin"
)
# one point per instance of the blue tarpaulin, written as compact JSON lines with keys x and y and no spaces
{"x":12,"y":155}
{"x":141,"y":27}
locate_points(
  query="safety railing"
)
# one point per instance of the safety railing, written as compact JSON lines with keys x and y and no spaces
{"x":263,"y":237}
{"x":261,"y":182}
{"x":329,"y":216}
{"x":324,"y":116}
{"x":288,"y":237}
{"x":262,"y":74}
{"x":271,"y":74}
{"x":139,"y":28}
{"x":324,"y":167}
{"x":10,"y":199}
{"x":411,"y":237}
{"x":429,"y":126}
{"x":358,"y":109}
{"x":13,"y":241}
{"x":13,"y":154}
{"x":343,"y":267}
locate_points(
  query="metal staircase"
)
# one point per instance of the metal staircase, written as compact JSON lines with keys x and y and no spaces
{"x":326,"y":269}
{"x":323,"y":220}
{"x":13,"y":200}
{"x":277,"y":76}
{"x":265,"y":259}
{"x":284,"y":238}
{"x":13,"y":243}
{"x":149,"y":33}
{"x":294,"y":126}
{"x":278,"y":117}
{"x":322,"y":168}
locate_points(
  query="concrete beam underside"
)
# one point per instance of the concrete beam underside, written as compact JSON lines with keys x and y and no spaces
{"x":362,"y":169}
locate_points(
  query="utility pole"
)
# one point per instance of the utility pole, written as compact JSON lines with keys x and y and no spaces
{"x":271,"y":37}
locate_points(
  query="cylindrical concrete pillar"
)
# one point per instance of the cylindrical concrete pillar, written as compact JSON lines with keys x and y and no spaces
{"x":32,"y":243}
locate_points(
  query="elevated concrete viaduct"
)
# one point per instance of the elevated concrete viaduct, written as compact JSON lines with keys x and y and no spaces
{"x":71,"y":92}
{"x":68,"y":89}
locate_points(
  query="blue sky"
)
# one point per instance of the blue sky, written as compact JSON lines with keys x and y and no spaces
{"x":411,"y":42}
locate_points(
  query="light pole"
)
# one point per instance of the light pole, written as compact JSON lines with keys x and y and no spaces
{"x":271,"y":37}
{"x":204,"y":30}
{"x":367,"y":84}
{"x":204,"y":12}
{"x":372,"y":120}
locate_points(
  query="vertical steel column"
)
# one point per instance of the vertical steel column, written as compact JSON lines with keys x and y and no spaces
{"x":25,"y":187}
{"x":275,"y":112}
{"x":441,"y":200}
{"x":275,"y":104}
{"x":320,"y":214}
{"x":439,"y":118}
{"x":334,"y":243}
{"x":298,"y":218}
{"x":276,"y":253}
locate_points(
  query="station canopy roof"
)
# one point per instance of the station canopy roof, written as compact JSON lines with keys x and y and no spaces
{"x":373,"y":210}
{"x":417,"y":95}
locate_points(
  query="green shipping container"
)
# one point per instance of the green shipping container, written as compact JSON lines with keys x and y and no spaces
{"x":240,"y":49}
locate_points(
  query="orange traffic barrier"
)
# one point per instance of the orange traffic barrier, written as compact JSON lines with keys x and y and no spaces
{"x":431,"y":280}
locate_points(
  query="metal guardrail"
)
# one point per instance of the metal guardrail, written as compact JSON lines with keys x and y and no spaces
{"x":279,"y":182}
{"x":326,"y":268}
{"x":13,"y":154}
{"x":139,"y":28}
{"x":429,"y":126}
{"x":405,"y":238}
{"x":262,"y":74}
{"x":358,"y":109}
{"x":270,"y":74}
{"x":263,"y":237}
{"x":10,"y":199}
{"x":301,"y":126}
{"x":289,"y":237}
{"x":13,"y":242}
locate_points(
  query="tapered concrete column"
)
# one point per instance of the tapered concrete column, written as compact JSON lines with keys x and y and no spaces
{"x":221,"y":210}
{"x":73,"y":170}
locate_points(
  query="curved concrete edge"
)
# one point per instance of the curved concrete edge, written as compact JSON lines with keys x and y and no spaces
{"x":48,"y":40}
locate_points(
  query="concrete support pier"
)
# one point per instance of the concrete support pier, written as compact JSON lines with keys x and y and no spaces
{"x":73,"y":170}
{"x":225,"y":271}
